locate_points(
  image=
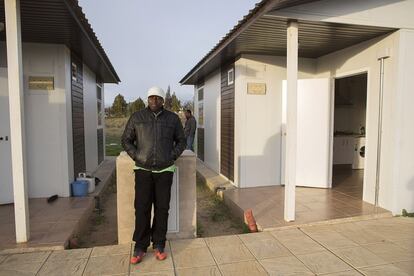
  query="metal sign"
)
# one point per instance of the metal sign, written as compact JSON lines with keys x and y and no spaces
{"x":256,"y":88}
{"x":41,"y":83}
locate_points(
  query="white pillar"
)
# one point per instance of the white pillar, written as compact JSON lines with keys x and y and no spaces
{"x":16,"y":103}
{"x":291,"y":126}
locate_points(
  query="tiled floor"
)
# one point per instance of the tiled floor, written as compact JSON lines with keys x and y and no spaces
{"x":52,"y":224}
{"x":329,"y":249}
{"x":344,"y":200}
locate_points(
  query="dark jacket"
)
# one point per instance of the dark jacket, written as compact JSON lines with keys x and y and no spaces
{"x":190,"y":127}
{"x":154,"y":142}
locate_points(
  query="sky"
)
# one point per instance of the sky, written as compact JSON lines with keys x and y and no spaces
{"x":156,"y":42}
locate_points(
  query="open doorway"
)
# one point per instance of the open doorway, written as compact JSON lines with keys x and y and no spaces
{"x":349,"y":135}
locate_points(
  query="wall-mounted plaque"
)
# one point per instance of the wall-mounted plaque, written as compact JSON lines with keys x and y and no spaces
{"x":256,"y":88}
{"x":41,"y":83}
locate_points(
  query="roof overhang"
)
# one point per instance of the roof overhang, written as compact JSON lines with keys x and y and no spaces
{"x":63,"y":22}
{"x":265,"y":34}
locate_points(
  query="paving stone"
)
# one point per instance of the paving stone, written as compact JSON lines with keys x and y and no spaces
{"x":111,"y":250}
{"x":199,"y":271}
{"x":63,"y":267}
{"x":222,"y":240}
{"x":253,"y":237}
{"x":344,"y":273}
{"x":332,"y":239}
{"x":160,"y":273}
{"x":2,"y":257}
{"x":359,"y":257}
{"x":107,"y":265}
{"x":231,"y":253}
{"x":32,"y":257}
{"x":363,"y":236}
{"x":150,"y":264}
{"x":250,"y":268}
{"x":193,"y":257}
{"x":407,"y":267}
{"x":302,"y":245}
{"x":83,"y":253}
{"x":187,"y":244}
{"x":384,"y":270}
{"x":285,"y":266}
{"x":324,"y":262}
{"x":19,"y":269}
{"x":267,"y":249}
{"x":284,"y":235}
{"x":389,"y":252}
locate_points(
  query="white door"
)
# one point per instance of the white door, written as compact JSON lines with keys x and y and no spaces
{"x":6,"y":184}
{"x":313,"y":134}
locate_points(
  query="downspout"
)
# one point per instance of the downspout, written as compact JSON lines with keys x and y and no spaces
{"x":380,"y":106}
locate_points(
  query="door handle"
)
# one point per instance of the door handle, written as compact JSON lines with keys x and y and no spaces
{"x":5,"y":138}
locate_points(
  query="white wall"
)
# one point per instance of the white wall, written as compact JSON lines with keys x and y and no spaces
{"x":385,"y":13}
{"x":258,"y":119}
{"x":91,"y":119}
{"x":46,"y":121}
{"x":212,"y":107}
{"x":403,"y":165}
{"x":364,"y":58}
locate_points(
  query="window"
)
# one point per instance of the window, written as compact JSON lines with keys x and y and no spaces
{"x":99,"y":104}
{"x":200,"y":94}
{"x":200,"y":107}
{"x":230,"y":77}
{"x":74,"y":72}
{"x":200,"y":114}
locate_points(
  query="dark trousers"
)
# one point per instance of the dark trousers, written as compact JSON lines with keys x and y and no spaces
{"x":151,"y":188}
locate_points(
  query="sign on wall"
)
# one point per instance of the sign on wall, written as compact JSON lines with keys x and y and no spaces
{"x":41,"y":83}
{"x":256,"y":88}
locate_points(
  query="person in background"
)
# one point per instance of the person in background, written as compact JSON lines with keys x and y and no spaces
{"x":190,"y":129}
{"x":154,"y":139}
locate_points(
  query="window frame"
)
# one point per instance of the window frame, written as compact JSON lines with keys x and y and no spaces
{"x":230,"y":76}
{"x":99,"y":103}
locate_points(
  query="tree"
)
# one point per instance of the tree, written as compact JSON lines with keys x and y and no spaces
{"x":119,"y":107}
{"x":168,"y":99}
{"x":189,"y":105}
{"x":136,"y":105}
{"x":175,"y":103}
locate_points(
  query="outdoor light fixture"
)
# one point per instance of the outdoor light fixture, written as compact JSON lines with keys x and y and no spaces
{"x":1,"y":26}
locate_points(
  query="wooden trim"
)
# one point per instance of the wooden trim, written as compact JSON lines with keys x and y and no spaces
{"x":200,"y":143}
{"x":227,"y":124}
{"x":78,"y":120}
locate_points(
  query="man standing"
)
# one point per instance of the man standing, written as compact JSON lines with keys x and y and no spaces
{"x":190,"y":129}
{"x":154,"y":139}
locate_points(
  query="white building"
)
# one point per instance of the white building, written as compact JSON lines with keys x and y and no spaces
{"x":52,"y":70}
{"x":315,"y":85}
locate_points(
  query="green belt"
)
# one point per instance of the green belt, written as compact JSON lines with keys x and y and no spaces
{"x":171,"y":168}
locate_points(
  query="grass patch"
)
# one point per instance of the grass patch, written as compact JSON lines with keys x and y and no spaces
{"x":213,"y":216}
{"x":407,"y":214}
{"x":114,"y":127}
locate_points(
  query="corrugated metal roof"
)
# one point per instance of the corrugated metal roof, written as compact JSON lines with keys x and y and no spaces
{"x":259,"y":33}
{"x":63,"y":22}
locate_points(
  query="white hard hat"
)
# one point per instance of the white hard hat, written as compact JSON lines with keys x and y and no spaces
{"x":156,"y":91}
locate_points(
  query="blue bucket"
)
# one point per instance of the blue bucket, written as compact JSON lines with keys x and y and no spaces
{"x":80,"y":188}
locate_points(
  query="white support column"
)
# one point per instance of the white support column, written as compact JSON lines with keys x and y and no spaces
{"x":291,"y":126}
{"x":16,"y":103}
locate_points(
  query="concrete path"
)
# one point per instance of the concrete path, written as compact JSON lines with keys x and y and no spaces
{"x":372,"y":247}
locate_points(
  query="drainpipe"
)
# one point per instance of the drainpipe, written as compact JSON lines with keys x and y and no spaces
{"x":381,"y":58}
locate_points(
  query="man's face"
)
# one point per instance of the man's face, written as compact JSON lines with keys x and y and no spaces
{"x":187,"y":115}
{"x":155,"y":103}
